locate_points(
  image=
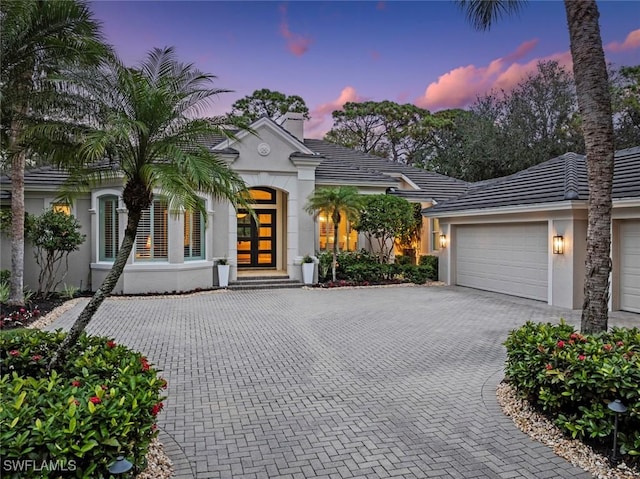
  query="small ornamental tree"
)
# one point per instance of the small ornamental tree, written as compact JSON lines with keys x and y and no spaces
{"x":54,"y":235}
{"x":383,"y":219}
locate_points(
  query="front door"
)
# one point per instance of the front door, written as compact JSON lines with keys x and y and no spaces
{"x":257,"y":241}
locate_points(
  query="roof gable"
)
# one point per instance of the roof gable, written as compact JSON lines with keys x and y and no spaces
{"x":263,"y":124}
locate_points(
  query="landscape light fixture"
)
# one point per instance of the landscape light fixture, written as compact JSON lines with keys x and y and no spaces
{"x":618,"y":408}
{"x":443,"y":241}
{"x":558,"y":244}
{"x":119,"y":466}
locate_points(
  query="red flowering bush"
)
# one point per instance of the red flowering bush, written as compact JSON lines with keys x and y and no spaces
{"x":102,"y":403}
{"x":572,"y":378}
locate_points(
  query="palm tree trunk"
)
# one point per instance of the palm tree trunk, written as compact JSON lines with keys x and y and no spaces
{"x":594,"y":100}
{"x":18,"y":161}
{"x":335,"y":250}
{"x":102,"y":293}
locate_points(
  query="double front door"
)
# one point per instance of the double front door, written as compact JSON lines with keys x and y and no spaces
{"x":257,"y":240}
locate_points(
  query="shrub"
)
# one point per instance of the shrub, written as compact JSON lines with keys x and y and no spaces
{"x":55,"y":235}
{"x":573,"y":377}
{"x":430,"y":264}
{"x":416,"y":274}
{"x":5,"y":275}
{"x":403,"y":260}
{"x":102,"y":403}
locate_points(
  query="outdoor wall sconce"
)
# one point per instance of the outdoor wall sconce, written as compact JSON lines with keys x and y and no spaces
{"x":618,"y":408}
{"x":558,"y":244}
{"x":443,"y":241}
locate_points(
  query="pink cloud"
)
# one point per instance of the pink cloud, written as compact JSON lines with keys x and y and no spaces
{"x":521,"y":51}
{"x":321,"y":120}
{"x":630,"y":43}
{"x":296,"y":44}
{"x":461,"y":86}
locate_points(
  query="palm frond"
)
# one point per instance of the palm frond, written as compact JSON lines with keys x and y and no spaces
{"x":482,"y":14}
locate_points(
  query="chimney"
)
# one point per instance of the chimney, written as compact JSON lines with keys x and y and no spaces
{"x":294,"y":124}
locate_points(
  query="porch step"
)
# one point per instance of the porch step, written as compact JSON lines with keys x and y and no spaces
{"x":264,"y":282}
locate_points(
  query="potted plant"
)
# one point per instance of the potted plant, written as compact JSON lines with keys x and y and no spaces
{"x":223,"y":272}
{"x":307,"y":269}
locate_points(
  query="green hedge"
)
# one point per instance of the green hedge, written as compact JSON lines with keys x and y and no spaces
{"x":77,"y":420}
{"x":573,"y":377}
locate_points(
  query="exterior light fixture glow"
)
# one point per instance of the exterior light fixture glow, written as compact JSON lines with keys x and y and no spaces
{"x":558,"y":244}
{"x":443,"y":241}
{"x":618,"y":408}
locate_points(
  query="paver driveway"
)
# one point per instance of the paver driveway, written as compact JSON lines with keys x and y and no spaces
{"x":375,"y":382}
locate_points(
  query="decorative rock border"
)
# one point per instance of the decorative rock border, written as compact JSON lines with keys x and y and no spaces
{"x":539,"y":428}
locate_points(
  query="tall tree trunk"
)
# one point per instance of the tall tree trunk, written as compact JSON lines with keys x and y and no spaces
{"x":18,"y":160}
{"x":594,"y":100}
{"x":335,"y":249}
{"x":102,"y":293}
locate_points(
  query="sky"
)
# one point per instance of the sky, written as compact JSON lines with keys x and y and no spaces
{"x":332,"y":52}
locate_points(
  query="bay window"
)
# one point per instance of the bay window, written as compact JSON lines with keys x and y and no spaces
{"x":193,"y":235}
{"x":108,"y":227}
{"x":152,"y":236}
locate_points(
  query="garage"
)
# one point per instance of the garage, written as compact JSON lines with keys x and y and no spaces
{"x":630,"y":266}
{"x":505,"y":258}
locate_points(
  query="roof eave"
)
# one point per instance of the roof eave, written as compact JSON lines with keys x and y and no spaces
{"x":533,"y":208}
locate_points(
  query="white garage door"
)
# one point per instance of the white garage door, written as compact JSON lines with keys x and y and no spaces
{"x":509,"y":259}
{"x":630,"y":266}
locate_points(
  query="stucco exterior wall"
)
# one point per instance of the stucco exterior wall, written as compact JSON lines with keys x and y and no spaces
{"x":78,"y":273}
{"x":566,"y":271}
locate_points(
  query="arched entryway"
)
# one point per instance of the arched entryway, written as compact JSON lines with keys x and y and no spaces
{"x":261,"y":240}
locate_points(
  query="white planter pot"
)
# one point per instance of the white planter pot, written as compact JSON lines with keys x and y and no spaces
{"x":223,"y":275}
{"x":307,"y":272}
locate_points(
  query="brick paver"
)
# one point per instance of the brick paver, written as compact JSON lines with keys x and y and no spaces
{"x":343,"y":383}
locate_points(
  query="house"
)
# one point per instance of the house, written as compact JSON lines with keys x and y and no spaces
{"x":178,"y":251}
{"x":525,"y":234}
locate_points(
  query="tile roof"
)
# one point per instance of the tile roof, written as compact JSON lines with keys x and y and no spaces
{"x":339,"y":166}
{"x":41,"y":178}
{"x":558,"y":179}
{"x":347,"y":165}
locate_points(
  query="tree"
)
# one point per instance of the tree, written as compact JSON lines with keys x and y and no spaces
{"x":39,"y":42}
{"x":594,"y":101}
{"x":272,"y":104}
{"x":505,"y":132}
{"x":383,"y":128}
{"x":55,"y":235}
{"x":148,"y":129}
{"x":338,"y":203}
{"x":626,"y":106}
{"x":385,"y":218}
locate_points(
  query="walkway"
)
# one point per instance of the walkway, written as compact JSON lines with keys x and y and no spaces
{"x":340,"y":383}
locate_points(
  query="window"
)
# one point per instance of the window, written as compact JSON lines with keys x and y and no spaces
{"x":109,"y":227}
{"x":61,"y":208}
{"x":347,"y":236}
{"x":435,"y":234}
{"x":193,"y":235}
{"x":152,"y":235}
{"x":262,"y":195}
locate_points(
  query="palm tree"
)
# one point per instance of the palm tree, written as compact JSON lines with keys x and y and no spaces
{"x":594,"y":101}
{"x":154,"y":141}
{"x":335,"y":202}
{"x":39,"y":41}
